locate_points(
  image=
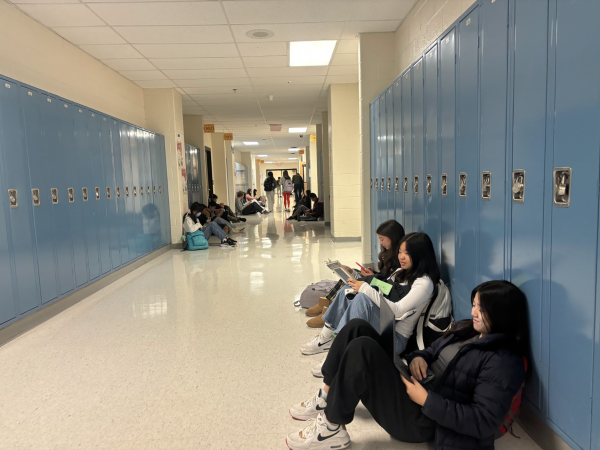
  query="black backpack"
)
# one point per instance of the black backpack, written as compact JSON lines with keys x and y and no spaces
{"x":269,"y":184}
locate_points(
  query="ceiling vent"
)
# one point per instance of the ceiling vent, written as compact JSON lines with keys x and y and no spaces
{"x":275,"y":127}
{"x":260,"y":34}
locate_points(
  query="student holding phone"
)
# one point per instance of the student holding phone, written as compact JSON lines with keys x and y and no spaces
{"x":478,"y":367}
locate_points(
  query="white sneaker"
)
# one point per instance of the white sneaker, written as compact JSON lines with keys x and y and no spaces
{"x":316,"y":370}
{"x":316,"y":436}
{"x":308,"y":409}
{"x":319,"y":344}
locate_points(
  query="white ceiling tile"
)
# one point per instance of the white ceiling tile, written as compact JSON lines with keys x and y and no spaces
{"x":129,"y":64}
{"x":187,"y":50}
{"x":18,"y":2}
{"x":198,"y":63}
{"x":287,"y":71}
{"x":378,"y":9}
{"x":218,"y":90}
{"x":352,"y":29}
{"x":292,"y":31}
{"x":62,"y":15}
{"x":266,"y":61}
{"x":347,"y":46}
{"x":268,"y":81}
{"x":89,"y":35}
{"x":214,"y":82}
{"x":142,"y":75}
{"x":155,"y":84}
{"x":216,"y":34}
{"x":193,"y":113}
{"x":263,"y":49}
{"x":111,"y":51}
{"x":207,"y":73}
{"x":169,"y":13}
{"x":344,"y":59}
{"x":337,"y":79}
{"x":343,"y":70}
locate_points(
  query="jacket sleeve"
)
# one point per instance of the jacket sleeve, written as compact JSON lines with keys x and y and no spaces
{"x":498,"y":382}
{"x":189,"y":226}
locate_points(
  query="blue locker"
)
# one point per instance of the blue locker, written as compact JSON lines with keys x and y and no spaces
{"x":389,"y":153}
{"x":154,"y":214}
{"x":147,"y":215}
{"x":417,"y":182}
{"x":574,"y":228}
{"x":54,"y":135}
{"x":8,"y":305}
{"x":126,"y":131}
{"x":135,"y":146}
{"x":430,"y":184}
{"x":163,"y":192}
{"x":447,"y":179}
{"x":141,"y":237}
{"x":382,"y":161}
{"x":115,"y":131}
{"x":528,"y":153}
{"x":398,"y":153}
{"x":377,"y":178}
{"x":110,"y":183}
{"x":15,"y":175}
{"x":467,"y":155}
{"x":374,"y":239}
{"x":492,"y":141}
{"x":99,"y":199}
{"x":39,"y":156}
{"x":407,"y":150}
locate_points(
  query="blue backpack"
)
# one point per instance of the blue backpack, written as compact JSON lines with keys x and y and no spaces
{"x":196,"y":241}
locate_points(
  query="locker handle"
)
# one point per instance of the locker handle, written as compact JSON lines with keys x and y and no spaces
{"x":13,"y":198}
{"x":397,"y":184}
{"x":118,"y":192}
{"x":371,"y":183}
{"x":376,"y":184}
{"x":428,"y":184}
{"x":127,"y":191}
{"x":462,"y":185}
{"x":518,"y":186}
{"x":35,"y":195}
{"x":108,"y":193}
{"x":389,"y":184}
{"x":54,"y":194}
{"x":97,"y":190}
{"x":160,"y":189}
{"x":562,"y":186}
{"x":444,"y":185}
{"x":85,"y":194}
{"x":486,"y":186}
{"x":148,"y":190}
{"x":382,"y":183}
{"x":416,"y":184}
{"x":142,"y":191}
{"x":405,"y":185}
{"x":71,"y":193}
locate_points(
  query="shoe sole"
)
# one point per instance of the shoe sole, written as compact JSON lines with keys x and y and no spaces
{"x":312,"y":315}
{"x":321,"y":350}
{"x":345,"y":445}
{"x":301,"y":420}
{"x":317,"y":375}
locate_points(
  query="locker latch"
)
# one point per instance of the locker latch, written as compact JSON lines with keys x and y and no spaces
{"x":148,"y":190}
{"x":85,"y":194}
{"x":127,"y":191}
{"x":12,"y":197}
{"x":405,"y":185}
{"x":71,"y":193}
{"x":486,"y":185}
{"x":54,"y":193}
{"x":444,"y":185}
{"x":118,"y":192}
{"x":382,"y":183}
{"x":428,"y":180}
{"x":397,"y":184}
{"x":376,"y":184}
{"x":389,"y":184}
{"x":35,"y":195}
{"x":562,"y":187}
{"x":416,"y":184}
{"x":462,"y":185}
{"x":134,"y":191}
{"x":142,"y":191}
{"x":371,"y":183}
{"x":154,"y":190}
{"x":108,"y":193}
{"x":518,"y":186}
{"x":97,"y":190}
{"x":160,"y":189}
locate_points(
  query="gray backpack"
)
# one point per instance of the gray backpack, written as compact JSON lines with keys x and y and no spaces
{"x":436,"y":319}
{"x":310,"y":295}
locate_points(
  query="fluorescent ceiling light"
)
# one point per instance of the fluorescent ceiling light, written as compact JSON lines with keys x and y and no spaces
{"x":311,"y":53}
{"x":262,"y":156}
{"x":268,"y":162}
{"x":298,"y":130}
{"x":293,"y":158}
{"x":250,"y":143}
{"x":293,"y":149}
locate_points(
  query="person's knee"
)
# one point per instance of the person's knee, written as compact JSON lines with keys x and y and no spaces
{"x":360,"y":326}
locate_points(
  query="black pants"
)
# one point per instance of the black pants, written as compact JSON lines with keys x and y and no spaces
{"x":298,"y":188}
{"x":357,"y":368}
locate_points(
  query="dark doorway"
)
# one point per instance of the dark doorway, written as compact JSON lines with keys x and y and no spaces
{"x":209,"y":171}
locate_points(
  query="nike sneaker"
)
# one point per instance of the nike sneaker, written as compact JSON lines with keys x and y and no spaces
{"x":319,"y":344}
{"x":316,"y":436}
{"x":308,"y":409}
{"x":316,"y":370}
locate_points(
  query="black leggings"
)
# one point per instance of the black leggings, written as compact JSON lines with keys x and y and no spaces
{"x":357,"y":368}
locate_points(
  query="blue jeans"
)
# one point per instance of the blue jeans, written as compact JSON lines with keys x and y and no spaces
{"x":221,"y":221}
{"x":343,"y":310}
{"x":212,"y":228}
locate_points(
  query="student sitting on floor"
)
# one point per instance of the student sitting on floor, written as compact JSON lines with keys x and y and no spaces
{"x":231,"y":216}
{"x":247,"y":208}
{"x":194,"y":220}
{"x":304,"y":201}
{"x":478,"y":368}
{"x":316,"y":212}
{"x":216,"y":215}
{"x":418,"y":274}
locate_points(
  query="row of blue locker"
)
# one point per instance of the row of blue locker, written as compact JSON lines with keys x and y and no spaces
{"x":489,"y":142}
{"x":84,"y":194}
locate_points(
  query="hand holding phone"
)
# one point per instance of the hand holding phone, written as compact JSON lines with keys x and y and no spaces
{"x":364,"y":271}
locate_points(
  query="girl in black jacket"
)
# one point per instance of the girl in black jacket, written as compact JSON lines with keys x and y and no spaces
{"x":478,"y":368}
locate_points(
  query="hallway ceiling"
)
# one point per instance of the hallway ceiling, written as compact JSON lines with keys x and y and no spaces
{"x":202,"y":49}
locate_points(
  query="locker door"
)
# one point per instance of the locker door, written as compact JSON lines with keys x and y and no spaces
{"x":574,"y":228}
{"x":447,"y":181}
{"x":128,"y":194}
{"x":407,"y":150}
{"x":8,"y":304}
{"x":528,"y":154}
{"x":135,"y":141}
{"x":374,"y":239}
{"x":149,"y":214}
{"x":417,"y":182}
{"x":492,"y":153}
{"x":431,"y":156}
{"x":383,"y":160}
{"x":121,"y":219}
{"x":155,"y":209}
{"x":389,"y":115}
{"x":398,"y":153}
{"x":53,"y":135}
{"x":39,"y":155}
{"x":84,"y":178}
{"x":15,"y":175}
{"x":377,"y":217}
{"x":467,"y":200}
{"x":143,"y":150}
{"x":111,"y":204}
{"x":165,"y":190}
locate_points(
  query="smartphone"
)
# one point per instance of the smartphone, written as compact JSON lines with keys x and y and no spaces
{"x":361,"y":267}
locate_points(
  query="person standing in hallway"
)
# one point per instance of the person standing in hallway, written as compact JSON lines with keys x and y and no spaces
{"x":269,"y":186}
{"x":298,"y":186}
{"x":288,"y":188}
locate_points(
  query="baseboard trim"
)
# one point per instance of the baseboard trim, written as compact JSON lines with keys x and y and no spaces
{"x":30,"y":321}
{"x":540,"y":432}
{"x":345,"y":239}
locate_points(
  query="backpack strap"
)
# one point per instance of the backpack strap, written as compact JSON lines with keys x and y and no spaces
{"x":424,"y":319}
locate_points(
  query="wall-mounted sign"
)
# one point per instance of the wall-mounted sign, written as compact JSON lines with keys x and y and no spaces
{"x":260,"y":161}
{"x":313,"y":138}
{"x":227,"y":136}
{"x":301,"y":152}
{"x":209,"y":127}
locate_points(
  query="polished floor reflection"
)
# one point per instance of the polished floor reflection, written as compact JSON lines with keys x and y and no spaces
{"x":194,"y":350}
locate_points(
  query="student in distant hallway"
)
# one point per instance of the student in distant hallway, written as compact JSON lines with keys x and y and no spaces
{"x":278,"y":186}
{"x":269,"y":186}
{"x":304,"y":201}
{"x":316,"y":211}
{"x":288,"y":188}
{"x":194,"y":220}
{"x":231,"y":216}
{"x":248,"y":208}
{"x":298,"y":186}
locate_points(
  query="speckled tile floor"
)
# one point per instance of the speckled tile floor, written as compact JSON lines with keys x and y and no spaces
{"x":194,"y":350}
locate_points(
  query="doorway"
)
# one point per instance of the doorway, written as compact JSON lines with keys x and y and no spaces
{"x":209,"y":172}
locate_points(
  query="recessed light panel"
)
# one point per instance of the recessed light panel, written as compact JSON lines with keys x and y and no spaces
{"x":262,"y":156}
{"x":250,"y":143}
{"x":298,"y":130}
{"x":311,"y":53}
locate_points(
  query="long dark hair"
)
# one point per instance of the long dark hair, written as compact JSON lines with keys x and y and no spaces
{"x":420,"y":249}
{"x":198,"y":207}
{"x":286,"y":175}
{"x":505,"y":307}
{"x":388,"y":258}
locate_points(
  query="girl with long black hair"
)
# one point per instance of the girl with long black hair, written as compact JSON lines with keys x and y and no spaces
{"x":478,"y":368}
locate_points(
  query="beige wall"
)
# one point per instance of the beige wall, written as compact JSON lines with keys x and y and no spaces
{"x":219,"y":165}
{"x":325,"y":196}
{"x":33,"y":54}
{"x":344,"y":161}
{"x":314,"y":169}
{"x":193,"y":127}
